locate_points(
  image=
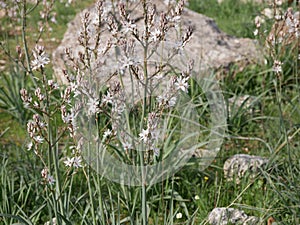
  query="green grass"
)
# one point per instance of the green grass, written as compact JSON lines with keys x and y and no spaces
{"x":272,"y":132}
{"x":233,"y":17}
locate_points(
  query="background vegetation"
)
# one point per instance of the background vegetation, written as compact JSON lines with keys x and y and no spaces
{"x":269,"y":129}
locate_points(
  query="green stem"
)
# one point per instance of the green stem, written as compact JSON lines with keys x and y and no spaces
{"x":24,"y":40}
{"x":52,"y":152}
{"x":91,"y":196}
{"x":99,"y":186}
{"x":144,"y":197}
{"x":102,"y":219}
{"x":88,"y":175}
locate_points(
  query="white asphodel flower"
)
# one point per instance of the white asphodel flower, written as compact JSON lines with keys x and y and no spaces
{"x":255,"y":32}
{"x":107,"y":133}
{"x":155,"y":35}
{"x":277,"y":68}
{"x":144,"y":135}
{"x":172,"y":101}
{"x":29,"y":146}
{"x":45,"y":174}
{"x":161,"y":99}
{"x":128,"y":27}
{"x":126,"y":146}
{"x":75,"y":162}
{"x":50,"y":179}
{"x":126,"y":62}
{"x":108,"y":98}
{"x":181,"y":84}
{"x":68,"y":162}
{"x":38,"y":139}
{"x":93,"y":105}
{"x":40,"y":58}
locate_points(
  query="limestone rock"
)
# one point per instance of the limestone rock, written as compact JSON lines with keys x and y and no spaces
{"x":224,"y":216}
{"x":240,"y":165}
{"x":54,"y":222}
{"x":212,"y":47}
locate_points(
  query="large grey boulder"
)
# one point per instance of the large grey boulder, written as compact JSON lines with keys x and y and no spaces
{"x":240,"y":165}
{"x":224,"y":216}
{"x":212,"y":47}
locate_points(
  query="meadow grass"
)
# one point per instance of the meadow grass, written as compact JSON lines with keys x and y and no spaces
{"x":86,"y":197}
{"x":232,"y":17}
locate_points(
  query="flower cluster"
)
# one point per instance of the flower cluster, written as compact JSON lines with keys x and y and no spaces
{"x":47,"y":15}
{"x":48,"y":179}
{"x":150,"y":136}
{"x":10,"y":8}
{"x":36,"y":129}
{"x":176,"y":84}
{"x":258,"y":21}
{"x":69,"y":118}
{"x":168,"y":98}
{"x":277,"y":68}
{"x":292,"y":22}
{"x":37,"y":100}
{"x":285,"y":31}
{"x":26,"y":98}
{"x":128,"y":25}
{"x":283,"y":36}
{"x":84,"y":36}
{"x":115,"y":96}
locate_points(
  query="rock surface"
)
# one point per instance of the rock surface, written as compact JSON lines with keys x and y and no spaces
{"x":240,"y":165}
{"x":212,"y":47}
{"x":224,"y":216}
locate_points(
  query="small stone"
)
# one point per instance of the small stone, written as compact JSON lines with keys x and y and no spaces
{"x":54,"y":222}
{"x":240,"y":165}
{"x":224,"y":216}
{"x":251,"y":220}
